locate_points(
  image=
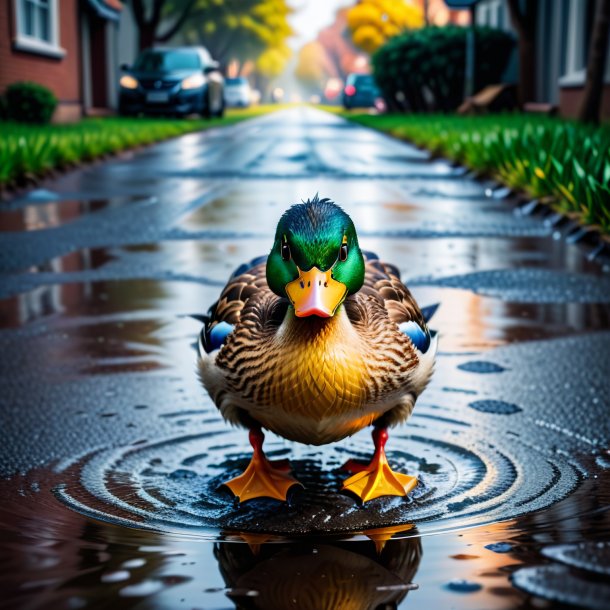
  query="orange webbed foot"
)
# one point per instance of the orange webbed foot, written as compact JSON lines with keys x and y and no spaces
{"x":262,"y":478}
{"x":377,"y":478}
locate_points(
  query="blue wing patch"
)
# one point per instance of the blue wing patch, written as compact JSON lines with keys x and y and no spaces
{"x":219,"y":334}
{"x":215,"y":338}
{"x":419,"y":337}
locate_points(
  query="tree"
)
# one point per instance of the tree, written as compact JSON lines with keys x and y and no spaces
{"x":237,"y":32}
{"x":230,"y":29}
{"x":596,"y":66}
{"x":149,"y":15}
{"x":373,"y":22}
{"x":313,"y":66}
{"x":269,"y":65}
{"x":339,"y":47}
{"x":332,"y":55}
{"x":271,"y":62}
{"x":240,"y":29}
{"x":524,"y":18}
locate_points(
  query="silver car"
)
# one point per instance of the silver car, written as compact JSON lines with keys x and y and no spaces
{"x":238,"y":92}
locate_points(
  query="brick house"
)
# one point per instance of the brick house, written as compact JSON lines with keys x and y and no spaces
{"x":563,"y":35}
{"x":69,"y":46}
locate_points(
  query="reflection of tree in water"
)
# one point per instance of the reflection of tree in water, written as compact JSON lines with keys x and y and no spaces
{"x":326,"y":576}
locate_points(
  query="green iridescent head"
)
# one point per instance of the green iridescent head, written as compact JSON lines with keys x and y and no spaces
{"x":315,"y":261}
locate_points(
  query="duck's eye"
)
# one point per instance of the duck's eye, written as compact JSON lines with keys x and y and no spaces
{"x":285,"y":251}
{"x":343,"y":252}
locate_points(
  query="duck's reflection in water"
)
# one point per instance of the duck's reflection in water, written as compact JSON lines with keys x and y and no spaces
{"x":369,"y":574}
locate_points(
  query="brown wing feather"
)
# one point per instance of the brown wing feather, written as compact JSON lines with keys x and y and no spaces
{"x":238,"y":292}
{"x":382,"y":281}
{"x":235,"y":294}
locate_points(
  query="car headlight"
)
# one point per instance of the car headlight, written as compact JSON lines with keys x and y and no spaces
{"x":193,"y":82}
{"x":128,"y":82}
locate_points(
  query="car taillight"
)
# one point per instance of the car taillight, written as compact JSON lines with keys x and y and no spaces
{"x":350,"y":90}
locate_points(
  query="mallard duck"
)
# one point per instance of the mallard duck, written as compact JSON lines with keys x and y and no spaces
{"x":314,"y":342}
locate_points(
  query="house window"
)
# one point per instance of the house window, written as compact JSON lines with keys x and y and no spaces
{"x":36,"y":19}
{"x":37,"y":27}
{"x":579,"y":23}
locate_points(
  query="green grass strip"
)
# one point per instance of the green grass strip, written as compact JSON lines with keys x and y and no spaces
{"x":29,"y":152}
{"x":562,"y":162}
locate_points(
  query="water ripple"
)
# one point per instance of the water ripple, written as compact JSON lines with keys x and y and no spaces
{"x":175,"y":484}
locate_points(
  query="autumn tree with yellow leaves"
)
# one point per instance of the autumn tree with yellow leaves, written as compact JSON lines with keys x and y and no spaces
{"x":313,"y":66}
{"x":373,"y":22}
{"x":250,"y":32}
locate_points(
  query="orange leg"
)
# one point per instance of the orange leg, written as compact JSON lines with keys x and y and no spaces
{"x":262,"y":478}
{"x":377,"y":478}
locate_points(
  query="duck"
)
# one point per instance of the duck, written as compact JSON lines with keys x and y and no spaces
{"x":314,"y":342}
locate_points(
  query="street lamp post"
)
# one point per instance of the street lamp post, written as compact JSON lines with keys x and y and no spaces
{"x":470,"y":43}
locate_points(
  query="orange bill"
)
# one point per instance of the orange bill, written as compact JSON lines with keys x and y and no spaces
{"x":315,"y":293}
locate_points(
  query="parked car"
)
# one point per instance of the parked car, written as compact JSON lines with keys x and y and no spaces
{"x":360,"y":91}
{"x":238,"y":92}
{"x":180,"y":81}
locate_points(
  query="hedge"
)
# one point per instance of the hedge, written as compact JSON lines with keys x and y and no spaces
{"x":424,"y":69}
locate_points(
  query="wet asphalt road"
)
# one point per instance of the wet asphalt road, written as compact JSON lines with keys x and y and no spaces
{"x":111,"y":452}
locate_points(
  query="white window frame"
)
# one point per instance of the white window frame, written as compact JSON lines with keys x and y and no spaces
{"x":576,"y":69}
{"x":32,"y":44}
{"x":494,"y":14}
{"x":488,"y":13}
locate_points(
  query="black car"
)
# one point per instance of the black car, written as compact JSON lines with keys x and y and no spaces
{"x":360,"y":91}
{"x":178,"y":81}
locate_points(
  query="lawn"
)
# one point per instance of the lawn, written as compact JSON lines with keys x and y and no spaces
{"x":29,"y":152}
{"x":564,"y":163}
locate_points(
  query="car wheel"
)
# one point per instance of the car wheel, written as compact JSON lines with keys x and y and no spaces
{"x":221,"y":111}
{"x":124,"y":112}
{"x":205,"y":111}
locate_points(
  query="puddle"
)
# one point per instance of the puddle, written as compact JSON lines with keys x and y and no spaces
{"x":253,"y":208}
{"x":51,"y":214}
{"x":112,"y":311}
{"x":378,"y":209}
{"x":89,"y":303}
{"x":558,"y":584}
{"x":470,"y":322}
{"x":64,"y":560}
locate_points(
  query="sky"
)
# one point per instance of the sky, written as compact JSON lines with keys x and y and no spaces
{"x":311,"y":16}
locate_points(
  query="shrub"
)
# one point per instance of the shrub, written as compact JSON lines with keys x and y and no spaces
{"x":29,"y":103}
{"x":425,"y":69}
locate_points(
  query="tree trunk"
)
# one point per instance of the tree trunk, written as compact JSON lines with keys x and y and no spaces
{"x":527,"y":70}
{"x":596,"y":66}
{"x":187,"y":13}
{"x":524,"y":21}
{"x":148,"y":26}
{"x":147,"y":35}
